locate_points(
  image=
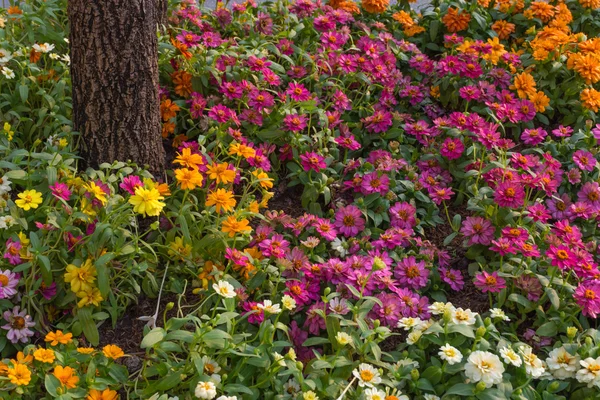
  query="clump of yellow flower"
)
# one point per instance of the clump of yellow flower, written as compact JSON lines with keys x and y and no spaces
{"x":147,"y":201}
{"x":44,"y":355}
{"x":240,"y":149}
{"x":54,"y":338}
{"x":232,"y":226}
{"x":222,"y":200}
{"x":19,"y":375}
{"x":178,"y":248}
{"x":81,"y":278}
{"x":221,"y":173}
{"x":264,"y":180}
{"x":112,"y":351}
{"x":29,"y":199}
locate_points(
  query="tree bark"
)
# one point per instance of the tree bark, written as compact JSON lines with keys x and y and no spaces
{"x":114,"y":70}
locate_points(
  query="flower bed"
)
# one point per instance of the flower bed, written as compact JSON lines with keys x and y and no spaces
{"x":438,"y":178}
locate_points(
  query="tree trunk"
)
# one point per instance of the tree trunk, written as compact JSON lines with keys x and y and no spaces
{"x":114,"y":69}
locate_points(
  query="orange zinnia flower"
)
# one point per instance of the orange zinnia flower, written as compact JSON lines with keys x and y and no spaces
{"x":590,"y":99}
{"x":542,"y":10}
{"x":456,"y":21}
{"x":540,"y":101}
{"x":503,"y":29}
{"x":183,"y":83}
{"x":168,"y":109}
{"x":375,"y":6}
{"x":524,"y":84}
{"x":588,"y":67}
{"x":183,"y":49}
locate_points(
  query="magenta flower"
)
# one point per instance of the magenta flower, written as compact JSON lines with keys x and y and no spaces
{"x":349,"y":221}
{"x":8,"y":283}
{"x":18,"y":325}
{"x":375,"y":182}
{"x":60,"y":191}
{"x":411,"y":273}
{"x":509,"y":194}
{"x":197,"y":105}
{"x":232,"y":90}
{"x":389,"y":313}
{"x":255,"y":314}
{"x":276,"y":246}
{"x":403,"y":215}
{"x":478,"y":230}
{"x":190,"y":39}
{"x":294,"y":122}
{"x":439,"y":194}
{"x":584,"y":160}
{"x":587,"y":296}
{"x":452,"y":277}
{"x":12,"y":253}
{"x":325,"y":229}
{"x":48,"y":292}
{"x":311,"y":160}
{"x":220,"y":113}
{"x":260,"y":100}
{"x":315,"y":323}
{"x":130,"y":183}
{"x":452,"y":148}
{"x":297,"y":92}
{"x":379,"y":122}
{"x":533,"y":137}
{"x":561,"y":257}
{"x":489,"y":282}
{"x":258,"y":64}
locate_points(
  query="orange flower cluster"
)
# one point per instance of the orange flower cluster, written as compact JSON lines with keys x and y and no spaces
{"x":409,"y":26}
{"x":346,"y":5}
{"x":455,"y":20}
{"x":375,"y":6}
{"x":503,"y":29}
{"x":183,"y":83}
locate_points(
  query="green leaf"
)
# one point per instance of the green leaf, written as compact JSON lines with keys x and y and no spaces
{"x":153,"y":337}
{"x":24,"y":93}
{"x":465,"y":330}
{"x":51,"y":384}
{"x":461,"y":389}
{"x":547,"y":329}
{"x":90,"y":330}
{"x":553,"y":296}
{"x":103,"y":274}
{"x":433,"y":374}
{"x":434,"y":27}
{"x":16,"y":174}
{"x":45,"y":268}
{"x":314,"y":341}
{"x":215,"y":338}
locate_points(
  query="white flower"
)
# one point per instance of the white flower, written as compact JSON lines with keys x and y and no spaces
{"x":533,"y":365}
{"x":590,"y":373}
{"x":343,"y":338}
{"x":43,"y":48}
{"x":224,"y":289}
{"x":463,"y":317}
{"x":414,"y":337}
{"x":54,"y":56}
{"x":6,"y":221}
{"x":339,"y":245}
{"x":562,"y":364}
{"x":367,"y":375}
{"x":407,"y":362}
{"x":291,"y":387}
{"x":4,"y":185}
{"x":409,"y":323}
{"x":288,"y":302}
{"x":430,"y":397}
{"x":5,"y":56}
{"x":269,"y":307}
{"x":8,"y":73}
{"x":2,"y":22}
{"x":511,"y":357}
{"x":210,"y":366}
{"x":66,"y":58}
{"x":278,"y":358}
{"x":310,"y":395}
{"x":206,"y":390}
{"x":291,"y":354}
{"x":483,"y":366}
{"x":450,"y":354}
{"x":439,"y":308}
{"x":374,"y":394}
{"x":498,"y":313}
{"x":227,"y":398}
{"x":66,"y":40}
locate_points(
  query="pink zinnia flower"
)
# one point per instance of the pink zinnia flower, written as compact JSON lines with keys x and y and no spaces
{"x":60,"y":191}
{"x":18,"y":324}
{"x":379,"y":122}
{"x":297,"y":92}
{"x":452,"y":148}
{"x":8,"y":283}
{"x":374,"y":182}
{"x":439,"y":194}
{"x":411,"y":272}
{"x":294,"y":122}
{"x":130,"y":183}
{"x":509,"y":194}
{"x":403,"y":215}
{"x":561,"y":257}
{"x":452,"y":277}
{"x":190,"y":39}
{"x":197,"y":105}
{"x":478,"y":230}
{"x":587,"y":295}
{"x":312,"y":160}
{"x":12,"y":253}
{"x":349,"y":220}
{"x":533,"y":137}
{"x":220,"y":113}
{"x":325,"y":228}
{"x":584,"y":160}
{"x":489,"y":282}
{"x":276,"y":246}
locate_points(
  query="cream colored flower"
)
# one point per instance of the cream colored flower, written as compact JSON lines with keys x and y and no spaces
{"x":590,"y":373}
{"x":367,"y":375}
{"x":288,"y":302}
{"x":463,"y":317}
{"x":483,"y":366}
{"x":343,"y":338}
{"x":562,"y":364}
{"x":533,"y":365}
{"x":224,"y":289}
{"x":450,"y":354}
{"x":269,"y":307}
{"x":511,"y":357}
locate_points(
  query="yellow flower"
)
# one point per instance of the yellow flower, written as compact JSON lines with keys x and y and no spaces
{"x":221,"y":173}
{"x":58,"y":337}
{"x":8,"y":132}
{"x":264,"y":180}
{"x":232,"y":226}
{"x":29,"y":199}
{"x":85,"y":350}
{"x":240,"y":149}
{"x":44,"y":355}
{"x":221,"y":199}
{"x":90,"y":296}
{"x":254,"y":207}
{"x":112,"y":351}
{"x":189,"y":159}
{"x":66,"y":375}
{"x":147,"y":201}
{"x":81,"y":278}
{"x":188,"y":178}
{"x":106,"y":394}
{"x":97,"y":191}
{"x":524,"y":84}
{"x":19,"y":375}
{"x":22,"y":358}
{"x":265,"y":200}
{"x":179,"y":248}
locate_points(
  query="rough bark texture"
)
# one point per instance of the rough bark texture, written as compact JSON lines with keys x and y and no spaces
{"x":114,"y":68}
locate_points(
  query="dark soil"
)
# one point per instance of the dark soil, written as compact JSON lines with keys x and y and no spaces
{"x":287,"y":199}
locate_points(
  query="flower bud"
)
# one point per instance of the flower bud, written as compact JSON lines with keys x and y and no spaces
{"x":589,"y":341}
{"x":376,"y":323}
{"x":553,"y":387}
{"x":480,"y":387}
{"x":169,"y":306}
{"x":327,"y":291}
{"x":480,"y":332}
{"x":571,"y":332}
{"x":487,"y":322}
{"x":414,"y":374}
